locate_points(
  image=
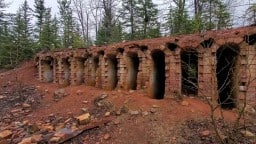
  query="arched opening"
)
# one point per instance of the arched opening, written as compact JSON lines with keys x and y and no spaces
{"x":95,"y":69}
{"x":227,"y":57}
{"x":112,"y":72}
{"x":47,"y":68}
{"x":171,"y":46}
{"x":158,"y":75}
{"x":66,"y":69}
{"x":207,"y":43}
{"x":133,"y":68}
{"x":189,"y":67}
{"x":250,"y":39}
{"x":80,"y":70}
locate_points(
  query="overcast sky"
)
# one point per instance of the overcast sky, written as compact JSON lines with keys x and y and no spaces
{"x":14,"y":5}
{"x":238,"y":12}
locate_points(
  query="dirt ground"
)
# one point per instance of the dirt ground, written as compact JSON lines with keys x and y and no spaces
{"x":34,"y":112}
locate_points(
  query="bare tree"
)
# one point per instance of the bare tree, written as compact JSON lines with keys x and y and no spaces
{"x":83,"y":16}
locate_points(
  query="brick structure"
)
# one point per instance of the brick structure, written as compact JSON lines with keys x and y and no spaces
{"x":218,"y":64}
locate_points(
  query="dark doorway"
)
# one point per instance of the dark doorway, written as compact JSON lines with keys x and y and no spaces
{"x":48,"y":70}
{"x":112,"y":72}
{"x":189,"y":67}
{"x":226,"y":74}
{"x":133,"y":68}
{"x":66,"y":68}
{"x":80,"y":70}
{"x":158,"y":75}
{"x":94,"y":72}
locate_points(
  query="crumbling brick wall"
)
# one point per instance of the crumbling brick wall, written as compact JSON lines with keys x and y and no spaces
{"x":111,"y":67}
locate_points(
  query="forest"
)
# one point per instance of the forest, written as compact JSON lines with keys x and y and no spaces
{"x":82,"y":23}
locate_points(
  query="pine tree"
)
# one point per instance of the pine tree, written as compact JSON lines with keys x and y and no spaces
{"x":129,"y":17}
{"x":149,"y":27}
{"x":39,"y":14}
{"x":22,"y":33}
{"x":214,"y":15}
{"x":66,"y":22}
{"x":178,"y":19}
{"x":108,"y":30}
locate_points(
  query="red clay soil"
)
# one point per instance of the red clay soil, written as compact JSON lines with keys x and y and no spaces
{"x":135,"y":117}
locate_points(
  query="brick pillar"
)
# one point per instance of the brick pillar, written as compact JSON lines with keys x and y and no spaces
{"x":247,"y":73}
{"x":173,"y":72}
{"x":100,"y":77}
{"x":63,"y":74}
{"x":46,"y":70}
{"x":121,"y":74}
{"x":143,"y":74}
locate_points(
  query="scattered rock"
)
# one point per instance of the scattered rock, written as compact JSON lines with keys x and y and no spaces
{"x":47,"y":127}
{"x":83,"y":119}
{"x":205,"y":133}
{"x":145,"y":113}
{"x":248,"y":134}
{"x":107,"y":137}
{"x":84,"y":109}
{"x":55,"y":139}
{"x":26,"y":141}
{"x":153,"y":110}
{"x":36,"y":138}
{"x":118,"y":112}
{"x":131,"y":91}
{"x":155,"y":106}
{"x":107,"y":114}
{"x":185,"y":103}
{"x":2,"y":97}
{"x":59,"y":94}
{"x":15,"y":111}
{"x":116,"y":121}
{"x":79,"y":92}
{"x":134,"y":112}
{"x":103,"y":96}
{"x":5,"y":134}
{"x":85,"y":102}
{"x":25,"y":105}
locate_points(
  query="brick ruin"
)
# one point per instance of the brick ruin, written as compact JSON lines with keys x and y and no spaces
{"x":214,"y":64}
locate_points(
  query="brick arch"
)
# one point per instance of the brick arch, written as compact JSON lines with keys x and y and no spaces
{"x":157,"y":74}
{"x":170,"y":47}
{"x":227,"y":66}
{"x":189,"y":71}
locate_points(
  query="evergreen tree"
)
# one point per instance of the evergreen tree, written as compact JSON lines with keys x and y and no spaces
{"x":178,"y":20}
{"x":109,"y":28}
{"x":66,"y":22}
{"x":213,"y":15}
{"x":149,"y":27}
{"x":22,"y":33}
{"x":49,"y":36}
{"x":130,"y":17}
{"x":39,"y":14}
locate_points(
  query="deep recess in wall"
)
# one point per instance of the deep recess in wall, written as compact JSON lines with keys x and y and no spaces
{"x":66,"y":67}
{"x":94,"y":71}
{"x":158,"y":74}
{"x":207,"y":43}
{"x":112,"y":72}
{"x":189,"y":67}
{"x":80,"y":72}
{"x":133,"y":68}
{"x":172,"y":46}
{"x":48,"y":74}
{"x":226,"y":75}
{"x":250,"y":39}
